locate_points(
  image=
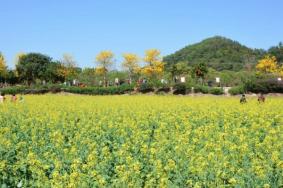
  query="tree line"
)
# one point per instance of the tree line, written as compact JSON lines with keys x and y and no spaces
{"x":32,"y":68}
{"x":36,"y":67}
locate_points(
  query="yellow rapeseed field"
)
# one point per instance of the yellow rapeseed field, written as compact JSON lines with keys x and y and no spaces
{"x":141,"y":141}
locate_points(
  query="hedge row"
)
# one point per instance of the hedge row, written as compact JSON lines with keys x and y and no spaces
{"x":265,"y":86}
{"x":57,"y":88}
{"x":259,"y":86}
{"x":185,"y":89}
{"x":101,"y":90}
{"x":13,"y":90}
{"x":113,"y":90}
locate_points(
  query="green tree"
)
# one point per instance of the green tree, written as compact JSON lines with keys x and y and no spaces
{"x":33,"y":66}
{"x":88,"y":76}
{"x":11,"y":77}
{"x":178,"y":69}
{"x":121,"y":75}
{"x":52,"y":74}
{"x":277,"y":51}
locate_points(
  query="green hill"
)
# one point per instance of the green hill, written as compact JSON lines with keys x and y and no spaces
{"x":217,"y":52}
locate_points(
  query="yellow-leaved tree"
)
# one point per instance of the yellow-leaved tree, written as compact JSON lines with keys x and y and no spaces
{"x":16,"y":61}
{"x":155,"y":66}
{"x":131,"y":63}
{"x":280,"y":70}
{"x":3,"y":67}
{"x":67,"y":68}
{"x":18,"y":57}
{"x":267,"y":65}
{"x":104,"y":60}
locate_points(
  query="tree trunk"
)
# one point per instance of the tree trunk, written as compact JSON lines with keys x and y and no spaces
{"x":104,"y":80}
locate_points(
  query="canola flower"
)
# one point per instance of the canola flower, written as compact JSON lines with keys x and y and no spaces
{"x":141,"y":141}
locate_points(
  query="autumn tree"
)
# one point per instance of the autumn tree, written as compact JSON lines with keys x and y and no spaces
{"x":18,"y":56}
{"x":104,"y":60}
{"x":267,"y":65}
{"x":131,"y":63}
{"x":280,"y":70}
{"x":67,"y":68}
{"x":155,"y":66}
{"x":3,"y":67}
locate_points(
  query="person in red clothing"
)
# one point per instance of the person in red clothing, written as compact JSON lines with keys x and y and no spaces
{"x":14,"y":98}
{"x":261,"y":98}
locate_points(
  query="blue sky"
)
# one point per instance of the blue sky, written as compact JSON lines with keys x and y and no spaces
{"x":85,"y":27}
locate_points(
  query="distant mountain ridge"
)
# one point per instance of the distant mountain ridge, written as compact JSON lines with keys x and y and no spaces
{"x":217,"y":52}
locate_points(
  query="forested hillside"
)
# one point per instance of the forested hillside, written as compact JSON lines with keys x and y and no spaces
{"x":219,"y":53}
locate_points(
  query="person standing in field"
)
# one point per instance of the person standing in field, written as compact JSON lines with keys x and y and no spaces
{"x":1,"y":98}
{"x":261,"y":98}
{"x":4,"y":98}
{"x":243,"y":99}
{"x":14,"y":98}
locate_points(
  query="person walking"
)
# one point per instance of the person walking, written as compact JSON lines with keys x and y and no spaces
{"x":243,"y":99}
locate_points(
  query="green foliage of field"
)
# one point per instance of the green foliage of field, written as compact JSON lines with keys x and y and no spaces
{"x":140,"y":141}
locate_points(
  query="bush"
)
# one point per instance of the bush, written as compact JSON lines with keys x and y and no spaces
{"x":201,"y":89}
{"x":163,"y":88}
{"x":216,"y":91}
{"x":146,"y":87}
{"x":35,"y":91}
{"x":180,"y":88}
{"x":40,"y":89}
{"x":113,"y":90}
{"x":237,"y":90}
{"x":125,"y":88}
{"x":13,"y":90}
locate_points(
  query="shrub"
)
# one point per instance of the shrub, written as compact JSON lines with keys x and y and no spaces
{"x":216,"y":91}
{"x":146,"y":87}
{"x":53,"y":88}
{"x":180,"y":88}
{"x":163,"y":88}
{"x":237,"y":90}
{"x":122,"y":89}
{"x":13,"y":90}
{"x":35,"y":91}
{"x":201,"y":89}
{"x":113,"y":90}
